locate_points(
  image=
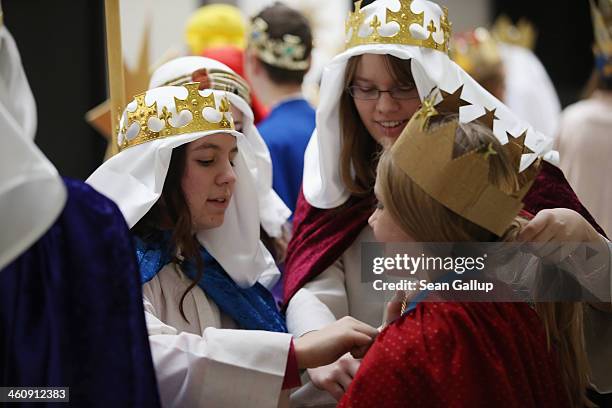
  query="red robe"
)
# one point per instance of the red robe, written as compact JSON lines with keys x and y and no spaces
{"x":460,"y":355}
{"x":321,"y":236}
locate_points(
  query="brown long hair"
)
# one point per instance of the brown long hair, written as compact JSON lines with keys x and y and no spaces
{"x":427,"y":220}
{"x":359,"y":153}
{"x":171,"y":212}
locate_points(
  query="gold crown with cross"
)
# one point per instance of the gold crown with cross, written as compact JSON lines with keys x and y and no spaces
{"x":404,"y":18}
{"x":205,"y":115}
{"x":426,"y":154}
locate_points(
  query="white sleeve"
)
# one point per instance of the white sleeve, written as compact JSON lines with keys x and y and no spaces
{"x":330,"y":288}
{"x":221,"y":368}
{"x":306,"y":313}
{"x":320,"y":302}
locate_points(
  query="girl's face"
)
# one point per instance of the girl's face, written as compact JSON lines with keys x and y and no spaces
{"x":208,"y":179}
{"x":384,"y":226}
{"x":384,"y":117}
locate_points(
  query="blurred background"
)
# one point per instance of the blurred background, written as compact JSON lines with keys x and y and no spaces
{"x":62,"y":45}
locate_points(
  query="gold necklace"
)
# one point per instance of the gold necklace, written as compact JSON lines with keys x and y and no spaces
{"x":404,"y":304}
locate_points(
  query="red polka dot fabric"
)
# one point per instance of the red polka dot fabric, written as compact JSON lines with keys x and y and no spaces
{"x":460,"y":355}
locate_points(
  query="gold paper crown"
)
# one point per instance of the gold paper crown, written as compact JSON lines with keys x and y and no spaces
{"x":404,"y":17}
{"x":477,"y":53}
{"x":218,"y":80}
{"x":195,"y":103}
{"x":460,"y":183}
{"x":287,"y":53}
{"x":523,"y":34}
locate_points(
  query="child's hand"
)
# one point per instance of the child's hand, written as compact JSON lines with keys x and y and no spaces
{"x":558,"y":236}
{"x":553,"y":234}
{"x":322,"y":347}
{"x":336,"y":377}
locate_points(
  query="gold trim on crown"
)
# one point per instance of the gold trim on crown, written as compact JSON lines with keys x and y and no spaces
{"x":523,"y":34}
{"x":602,"y":26}
{"x":287,"y":53}
{"x":218,"y":80}
{"x":195,"y":103}
{"x":460,"y":183}
{"x":477,"y":52}
{"x":404,"y":17}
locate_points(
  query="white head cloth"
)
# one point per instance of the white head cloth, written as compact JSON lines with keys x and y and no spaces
{"x":134,"y":179}
{"x":272,"y":210}
{"x":530,"y":92}
{"x":32,"y":194}
{"x":323,"y":186}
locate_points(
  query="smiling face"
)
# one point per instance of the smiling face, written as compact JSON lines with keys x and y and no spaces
{"x":384,"y":117}
{"x":208,"y":179}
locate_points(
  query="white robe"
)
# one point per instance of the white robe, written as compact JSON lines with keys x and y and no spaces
{"x":530,"y":93}
{"x":205,"y":361}
{"x":342,"y":289}
{"x":585,"y":153}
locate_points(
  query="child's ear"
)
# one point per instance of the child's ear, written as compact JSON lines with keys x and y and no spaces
{"x":252,"y":62}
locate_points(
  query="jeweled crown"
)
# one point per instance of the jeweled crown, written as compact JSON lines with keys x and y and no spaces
{"x":425,"y":154}
{"x":288,"y":52}
{"x":404,"y":27}
{"x":204,"y":115}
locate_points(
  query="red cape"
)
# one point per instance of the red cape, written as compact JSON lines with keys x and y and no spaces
{"x":460,"y":355}
{"x":321,"y":236}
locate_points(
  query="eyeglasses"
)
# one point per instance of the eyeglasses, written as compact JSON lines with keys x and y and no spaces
{"x":369,"y":94}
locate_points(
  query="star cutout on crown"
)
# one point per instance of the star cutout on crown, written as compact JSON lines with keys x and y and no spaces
{"x":488,"y":118}
{"x":451,"y":102}
{"x":516,"y":148}
{"x":520,"y":141}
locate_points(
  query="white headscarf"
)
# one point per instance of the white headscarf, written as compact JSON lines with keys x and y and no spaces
{"x":272,"y":210}
{"x":323,"y":186}
{"x":32,"y":194}
{"x":134,"y":179}
{"x":530,"y":92}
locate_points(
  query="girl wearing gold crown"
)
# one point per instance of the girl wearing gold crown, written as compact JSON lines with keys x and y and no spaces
{"x":182,"y":181}
{"x":443,"y":353}
{"x":212,"y":74}
{"x":396,"y":54}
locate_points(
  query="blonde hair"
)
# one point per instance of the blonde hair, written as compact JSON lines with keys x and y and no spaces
{"x":426,"y":220}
